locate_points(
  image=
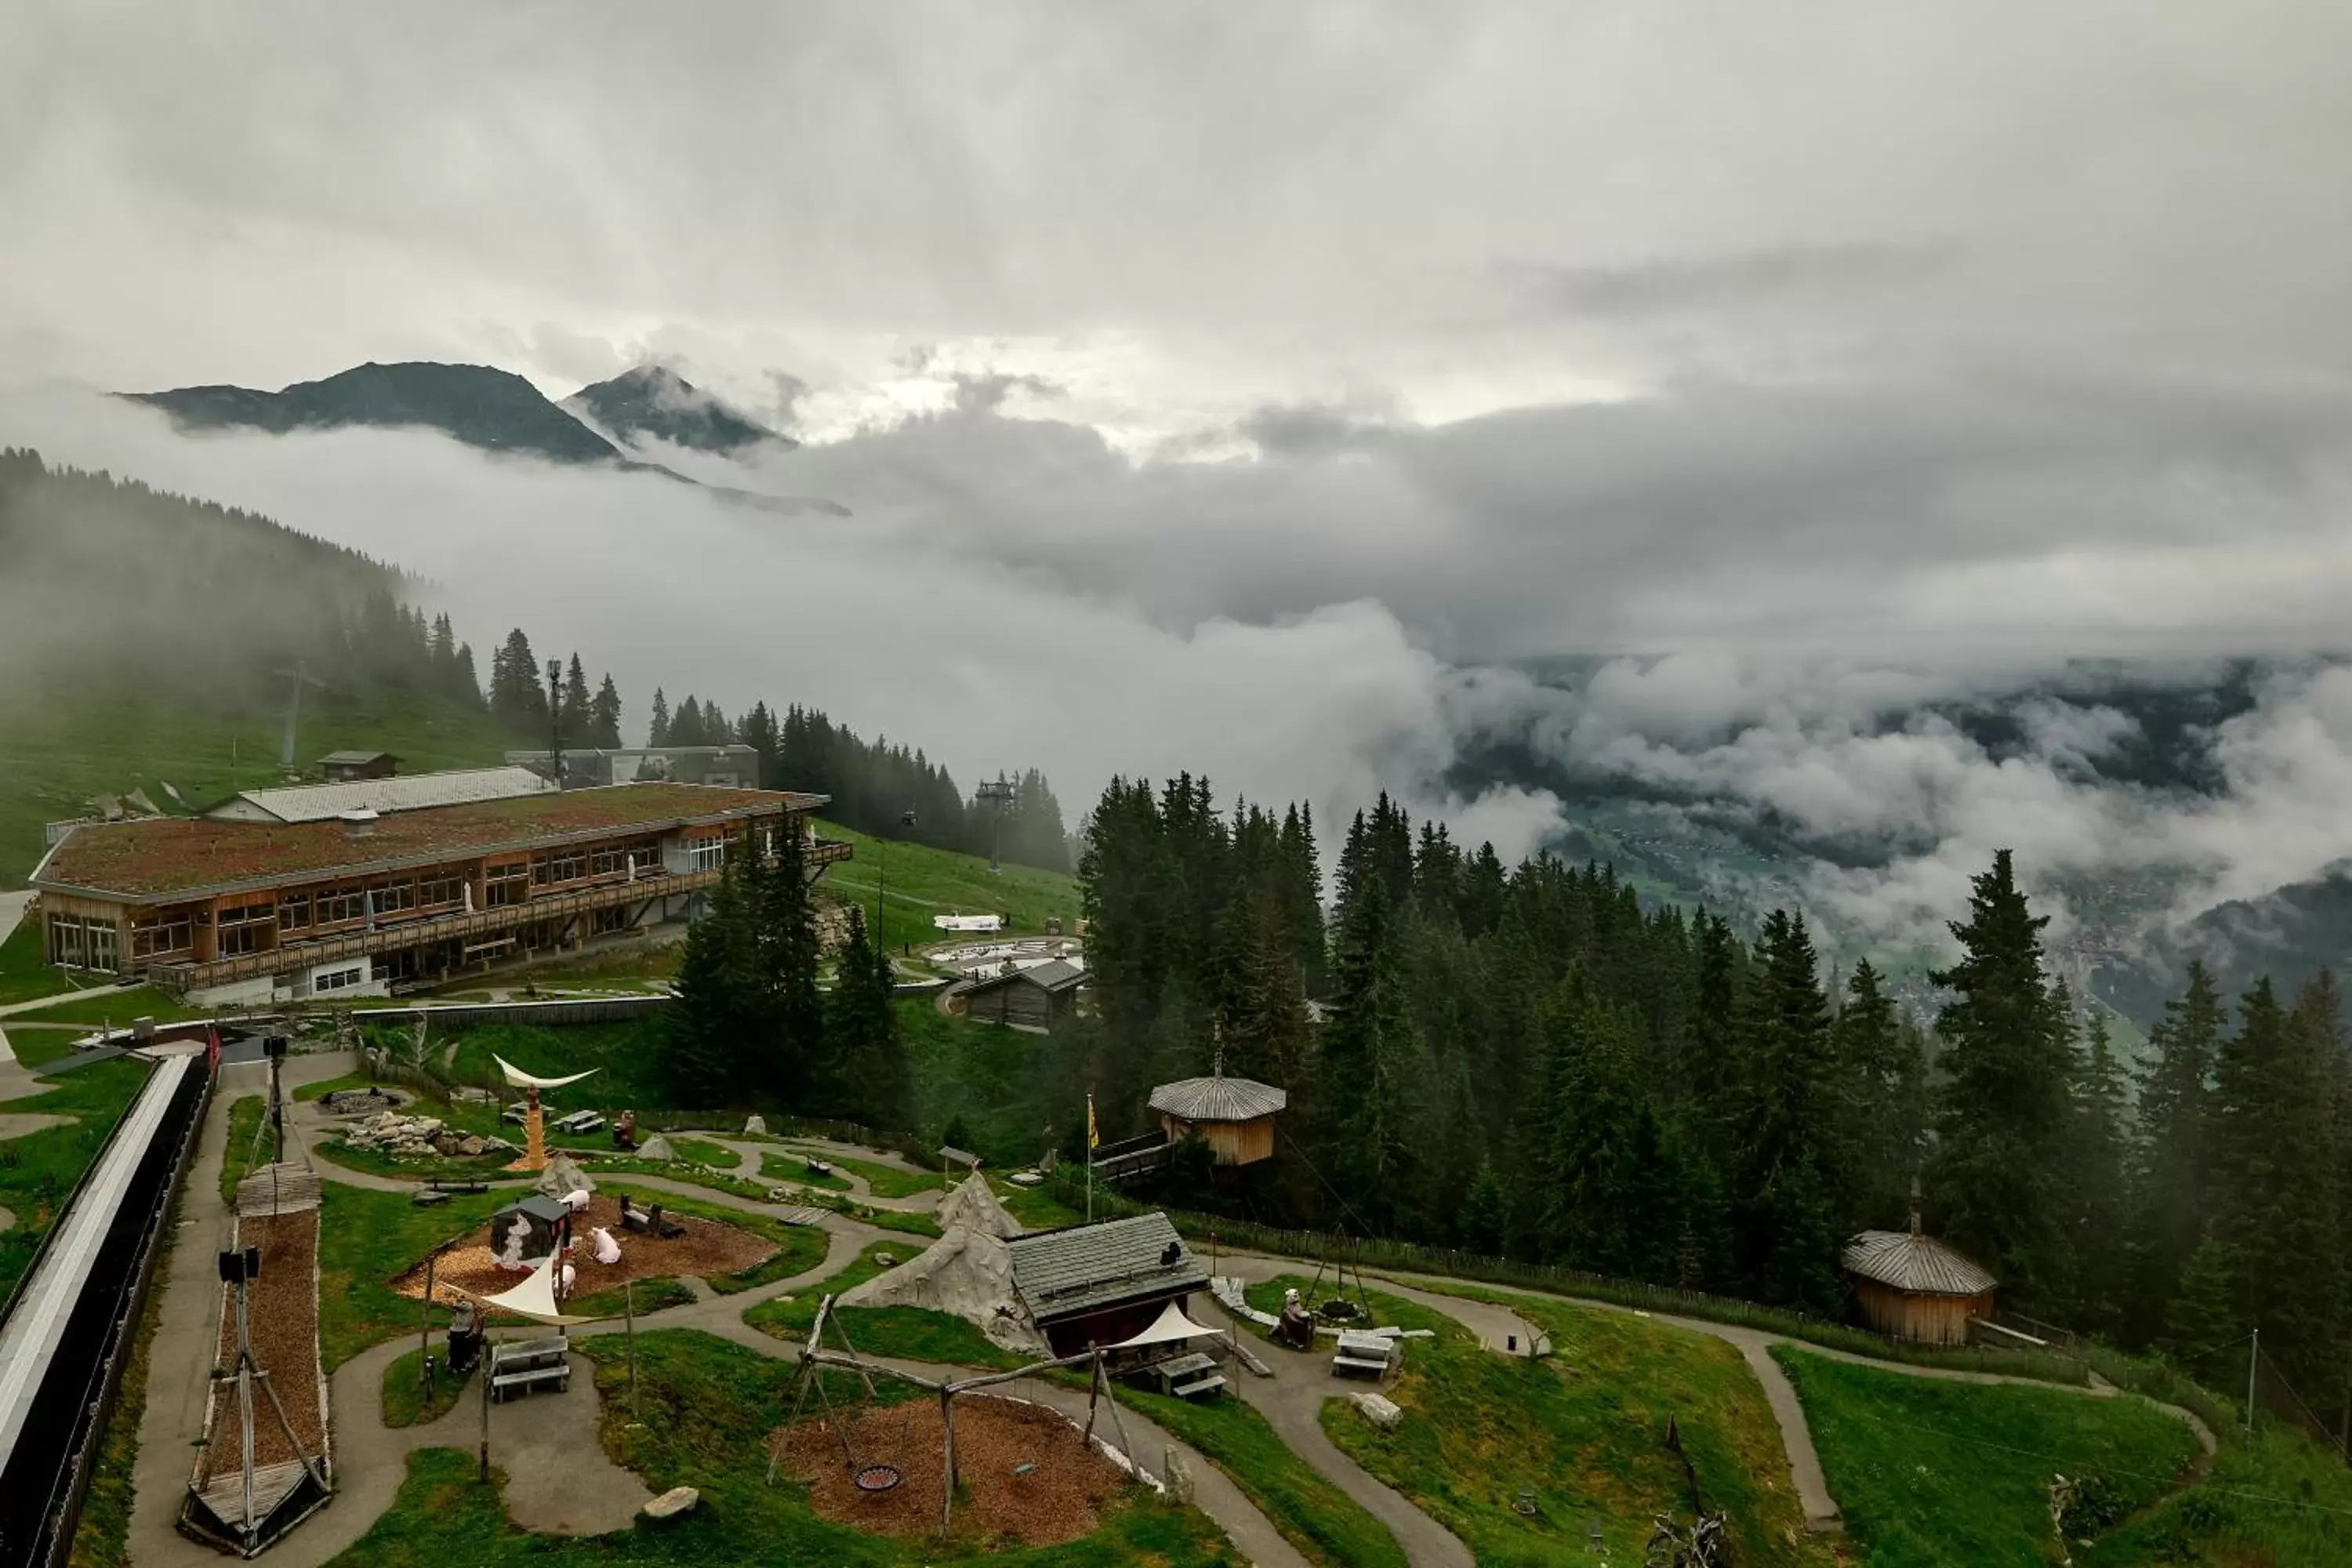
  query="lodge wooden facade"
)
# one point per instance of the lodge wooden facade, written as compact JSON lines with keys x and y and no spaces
{"x":1037,"y":997}
{"x":237,"y":911}
{"x":1235,"y":1115}
{"x":1913,"y":1287}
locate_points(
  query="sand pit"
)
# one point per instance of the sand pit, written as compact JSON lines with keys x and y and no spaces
{"x":1061,"y":1498}
{"x":707,"y":1247}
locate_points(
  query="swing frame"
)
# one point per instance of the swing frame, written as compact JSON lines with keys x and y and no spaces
{"x":814,"y":1359}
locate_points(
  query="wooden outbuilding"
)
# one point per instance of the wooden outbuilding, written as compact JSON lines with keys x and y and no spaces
{"x":1911,"y":1286}
{"x":346,"y":767}
{"x":1036,"y":997}
{"x":1102,"y":1284}
{"x":1233,"y":1115}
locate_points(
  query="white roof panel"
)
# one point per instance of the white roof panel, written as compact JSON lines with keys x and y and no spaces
{"x":318,"y":803}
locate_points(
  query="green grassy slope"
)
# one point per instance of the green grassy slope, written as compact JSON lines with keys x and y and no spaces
{"x":2274,"y":1501}
{"x":37,"y":1171}
{"x":53,"y":760}
{"x":924,"y":882}
{"x":1584,"y":1431}
{"x":1930,"y":1473}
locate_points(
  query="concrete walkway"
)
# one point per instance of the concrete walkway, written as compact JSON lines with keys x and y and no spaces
{"x":12,"y":911}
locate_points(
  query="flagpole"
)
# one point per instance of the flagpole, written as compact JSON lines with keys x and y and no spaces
{"x":1090,"y":1156}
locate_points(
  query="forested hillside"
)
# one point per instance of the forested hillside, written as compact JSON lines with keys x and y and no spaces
{"x":1527,"y":1062}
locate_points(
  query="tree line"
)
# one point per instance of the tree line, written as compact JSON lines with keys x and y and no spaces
{"x":1527,"y":1062}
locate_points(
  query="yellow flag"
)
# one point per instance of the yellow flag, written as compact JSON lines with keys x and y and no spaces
{"x":1092,"y":1141}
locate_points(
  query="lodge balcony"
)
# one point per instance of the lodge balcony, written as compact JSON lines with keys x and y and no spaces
{"x":476,"y":928}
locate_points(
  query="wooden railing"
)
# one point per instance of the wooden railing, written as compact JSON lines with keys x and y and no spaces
{"x":389,"y":935}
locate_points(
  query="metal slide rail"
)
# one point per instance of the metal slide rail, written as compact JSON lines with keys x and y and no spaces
{"x":69,"y":1330}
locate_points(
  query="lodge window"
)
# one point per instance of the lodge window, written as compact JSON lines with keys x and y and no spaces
{"x":83,"y":943}
{"x":157,"y":935}
{"x":338,"y":906}
{"x":562,"y":865}
{"x":338,"y":979}
{"x":238,"y":932}
{"x":505,"y":885}
{"x":434,"y":892}
{"x":707,"y":854}
{"x":393,"y":898}
{"x":103,"y":943}
{"x":293,"y":911}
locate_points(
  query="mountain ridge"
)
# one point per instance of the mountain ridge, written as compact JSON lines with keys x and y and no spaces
{"x":654,"y":402}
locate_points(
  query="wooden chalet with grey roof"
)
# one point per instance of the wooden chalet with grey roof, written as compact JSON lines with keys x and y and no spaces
{"x":231,"y":911}
{"x":1103,"y":1283}
{"x":1036,"y":997}
{"x":1913,"y":1287}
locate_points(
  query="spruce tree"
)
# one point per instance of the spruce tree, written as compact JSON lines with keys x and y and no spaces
{"x":866,"y":1046}
{"x":2205,"y":1330}
{"x":1372,"y":1073}
{"x":605,"y":717}
{"x":708,"y":1031}
{"x":2171,"y":1158}
{"x":1478,"y":1228}
{"x":2002,"y":1161}
{"x":657,"y":731}
{"x":1881,"y":1084}
{"x":577,"y":720}
{"x":2101,"y":1181}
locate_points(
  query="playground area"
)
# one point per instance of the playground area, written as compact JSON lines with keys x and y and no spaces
{"x":471,"y":1266}
{"x":1025,"y":1473}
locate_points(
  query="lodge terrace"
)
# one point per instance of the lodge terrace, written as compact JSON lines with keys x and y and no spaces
{"x":237,"y":911}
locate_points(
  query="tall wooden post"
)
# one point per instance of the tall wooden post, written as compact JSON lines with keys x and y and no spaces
{"x":424,"y":1325}
{"x":489,"y":1363}
{"x":629,"y":1306}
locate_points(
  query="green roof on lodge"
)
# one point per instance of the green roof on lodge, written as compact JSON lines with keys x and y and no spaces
{"x":157,"y":856}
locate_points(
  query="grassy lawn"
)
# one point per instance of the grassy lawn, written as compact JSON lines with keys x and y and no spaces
{"x":366,"y":1239}
{"x":405,"y":1403}
{"x":117,"y":1008}
{"x":652,"y":1296}
{"x":882,"y":1181}
{"x":1037,"y":1208}
{"x":719,"y":1181}
{"x":924,"y":882}
{"x":800,"y":1248}
{"x":23,"y":975}
{"x":794,"y":1168}
{"x":38,"y":1172}
{"x":789,"y":1317}
{"x":239,"y":1156}
{"x":2276,"y":1501}
{"x":993,"y":1079}
{"x":1934,"y":1472}
{"x":626,"y":1057}
{"x":918,"y":1334}
{"x":59,"y":755}
{"x":1584,"y":1431}
{"x":454,"y":1168}
{"x":701,"y":1152}
{"x":705,"y":1406}
{"x":1326,"y":1525}
{"x":37,"y":1046}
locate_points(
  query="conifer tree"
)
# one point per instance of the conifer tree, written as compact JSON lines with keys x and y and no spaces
{"x":657,"y":731}
{"x":1479,"y":1227}
{"x":709,"y":1032}
{"x":2101,"y":1181}
{"x":1881,"y":1079}
{"x":1371,"y":1072}
{"x":577,"y":725}
{"x":2205,"y":1328}
{"x":2171,"y":1157}
{"x":867,"y":1044}
{"x":605,"y":717}
{"x":2005,"y":1113}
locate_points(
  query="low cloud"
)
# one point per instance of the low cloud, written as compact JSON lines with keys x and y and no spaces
{"x":1731,"y":281}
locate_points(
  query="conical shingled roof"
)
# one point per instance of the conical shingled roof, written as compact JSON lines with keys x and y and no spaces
{"x":1919,"y":1265}
{"x":1218,"y":1099}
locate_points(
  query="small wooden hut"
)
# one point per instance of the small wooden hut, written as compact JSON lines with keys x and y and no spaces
{"x":1103,"y":1283}
{"x":1233,"y":1115}
{"x":1036,"y":997}
{"x":1911,"y":1286}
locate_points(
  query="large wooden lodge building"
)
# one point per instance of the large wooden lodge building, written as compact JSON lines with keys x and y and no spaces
{"x":229,"y":912}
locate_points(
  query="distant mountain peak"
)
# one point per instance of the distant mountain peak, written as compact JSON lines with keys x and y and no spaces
{"x":481,"y":405}
{"x":654,"y":402}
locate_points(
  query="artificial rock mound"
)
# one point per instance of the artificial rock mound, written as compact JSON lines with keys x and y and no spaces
{"x":968,"y":1272}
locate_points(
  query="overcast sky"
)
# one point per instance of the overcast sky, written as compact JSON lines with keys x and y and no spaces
{"x":1258,"y":344}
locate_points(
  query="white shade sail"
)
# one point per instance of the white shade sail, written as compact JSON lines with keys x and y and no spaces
{"x":535,"y":1297}
{"x":1171,"y":1326}
{"x":517,"y":1078}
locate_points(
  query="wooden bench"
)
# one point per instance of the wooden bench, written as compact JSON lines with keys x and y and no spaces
{"x":579,"y":1122}
{"x":1361,"y":1354}
{"x":527,"y":1365}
